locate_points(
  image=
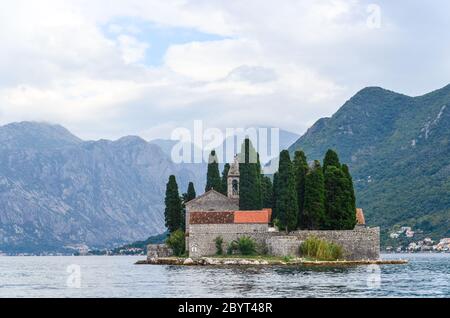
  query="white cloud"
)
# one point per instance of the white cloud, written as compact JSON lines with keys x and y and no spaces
{"x":133,"y":51}
{"x":75,"y":100}
{"x":252,"y":74}
{"x":281,"y":64}
{"x":123,"y":29}
{"x":209,"y":61}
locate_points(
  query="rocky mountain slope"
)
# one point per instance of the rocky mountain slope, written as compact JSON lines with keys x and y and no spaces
{"x":57,"y":190}
{"x":398,"y":149}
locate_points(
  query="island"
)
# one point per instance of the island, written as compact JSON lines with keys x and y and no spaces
{"x":322,"y":226}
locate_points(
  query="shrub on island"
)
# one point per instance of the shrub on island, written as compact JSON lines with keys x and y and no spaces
{"x":219,"y":243}
{"x":320,"y":250}
{"x":243,"y":246}
{"x":176,"y":241}
{"x":246,"y":245}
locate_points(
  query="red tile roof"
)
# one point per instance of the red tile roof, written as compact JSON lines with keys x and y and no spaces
{"x":360,"y":217}
{"x":230,"y":217}
{"x":252,"y":217}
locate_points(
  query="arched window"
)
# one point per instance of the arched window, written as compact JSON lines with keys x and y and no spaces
{"x":235,"y":185}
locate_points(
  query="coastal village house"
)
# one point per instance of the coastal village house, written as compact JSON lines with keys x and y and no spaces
{"x":214,"y":215}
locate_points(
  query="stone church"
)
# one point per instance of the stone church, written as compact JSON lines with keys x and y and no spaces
{"x":213,"y":214}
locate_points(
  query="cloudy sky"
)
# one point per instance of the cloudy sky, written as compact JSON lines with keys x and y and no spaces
{"x":108,"y":68}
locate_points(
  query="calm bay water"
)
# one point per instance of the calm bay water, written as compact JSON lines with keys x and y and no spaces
{"x":427,"y":275}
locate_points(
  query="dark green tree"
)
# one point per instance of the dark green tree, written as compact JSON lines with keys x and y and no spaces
{"x":250,"y":179}
{"x":314,"y":206}
{"x":173,"y":212}
{"x":275,"y":196}
{"x":186,"y":197}
{"x":267,"y":192}
{"x":287,"y":206}
{"x":300,"y":170}
{"x":337,"y":199}
{"x":190,"y":195}
{"x":213,"y":179}
{"x":224,"y":185}
{"x":183,"y":210}
{"x":351,"y":214}
{"x":177,"y":242}
{"x":331,"y":159}
{"x":259,"y":182}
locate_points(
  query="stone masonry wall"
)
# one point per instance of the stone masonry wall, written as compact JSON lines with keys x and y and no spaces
{"x":202,"y":236}
{"x":158,"y":250}
{"x":359,"y":244}
{"x":283,"y":246}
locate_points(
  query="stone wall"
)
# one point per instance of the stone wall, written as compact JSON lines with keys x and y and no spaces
{"x":158,"y":250}
{"x":359,"y":244}
{"x":283,"y":245}
{"x":202,"y":236}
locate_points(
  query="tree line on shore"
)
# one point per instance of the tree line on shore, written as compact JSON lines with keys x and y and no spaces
{"x":302,"y":196}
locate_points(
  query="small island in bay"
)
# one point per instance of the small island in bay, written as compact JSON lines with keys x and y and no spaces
{"x":304,"y":215}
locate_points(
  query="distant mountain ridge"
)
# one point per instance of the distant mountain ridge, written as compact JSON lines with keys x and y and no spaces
{"x":285,"y":139}
{"x":34,"y":135}
{"x":57,"y":190}
{"x":398,"y":149}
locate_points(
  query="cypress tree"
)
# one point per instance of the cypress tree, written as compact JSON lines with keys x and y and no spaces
{"x":287,"y":207}
{"x":224,"y":186}
{"x":266,"y":192}
{"x":173,"y":212}
{"x":300,"y":170}
{"x":213,"y":179}
{"x":186,"y":197}
{"x":250,"y":180}
{"x":183,"y":210}
{"x":337,"y":198}
{"x":275,"y":196}
{"x":259,"y":182}
{"x":350,"y":217}
{"x":190,"y":195}
{"x":314,"y":205}
{"x":331,"y":159}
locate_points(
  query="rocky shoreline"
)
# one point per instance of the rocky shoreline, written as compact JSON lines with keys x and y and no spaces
{"x":211,"y":261}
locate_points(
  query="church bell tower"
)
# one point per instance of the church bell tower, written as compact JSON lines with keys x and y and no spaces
{"x":233,"y":180}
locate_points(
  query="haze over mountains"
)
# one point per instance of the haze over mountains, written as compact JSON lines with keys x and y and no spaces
{"x":398,"y":149}
{"x":261,"y":137}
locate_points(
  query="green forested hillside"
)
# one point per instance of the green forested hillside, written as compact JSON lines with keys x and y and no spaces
{"x":398,"y":150}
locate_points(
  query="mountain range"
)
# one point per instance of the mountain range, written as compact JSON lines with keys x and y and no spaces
{"x":57,"y":190}
{"x":398,"y":150}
